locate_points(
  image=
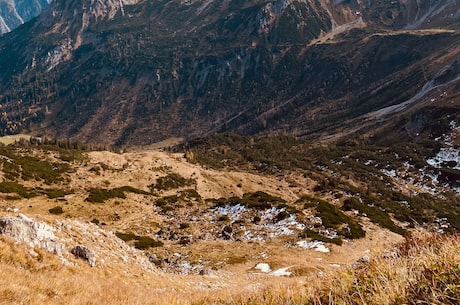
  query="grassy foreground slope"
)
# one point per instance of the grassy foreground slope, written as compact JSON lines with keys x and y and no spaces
{"x":422,"y":270}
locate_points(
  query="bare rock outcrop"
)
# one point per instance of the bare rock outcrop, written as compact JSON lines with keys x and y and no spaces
{"x":34,"y":233}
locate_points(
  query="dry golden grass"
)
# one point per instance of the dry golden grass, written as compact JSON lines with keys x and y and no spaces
{"x":424,"y":269}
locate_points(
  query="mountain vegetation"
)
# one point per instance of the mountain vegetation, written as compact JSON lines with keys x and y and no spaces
{"x":216,"y":214}
{"x":136,"y":72}
{"x":231,"y":152}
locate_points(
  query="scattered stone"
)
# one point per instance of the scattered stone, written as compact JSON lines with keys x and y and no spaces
{"x":153,"y":258}
{"x":185,"y":240}
{"x":84,"y":253}
{"x":204,"y":272}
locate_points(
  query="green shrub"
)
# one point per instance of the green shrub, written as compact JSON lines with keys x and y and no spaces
{"x":125,"y":236}
{"x":145,"y":242}
{"x":376,"y":215}
{"x":332,"y":217}
{"x":141,"y":242}
{"x":17,"y":163}
{"x":172,"y":181}
{"x":56,"y":193}
{"x":56,"y":210}
{"x":99,"y":195}
{"x":190,"y":194}
{"x":316,"y":236}
{"x":9,"y":187}
{"x":227,"y":229}
{"x":223,"y":218}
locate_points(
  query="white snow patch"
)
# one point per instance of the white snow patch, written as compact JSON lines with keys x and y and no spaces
{"x":335,"y":265}
{"x":233,"y":211}
{"x":263,"y":267}
{"x":389,"y":173}
{"x":281,"y":272}
{"x":447,"y":154}
{"x":4,"y":28}
{"x":316,"y":245}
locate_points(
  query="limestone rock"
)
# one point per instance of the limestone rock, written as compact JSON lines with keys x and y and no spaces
{"x":34,"y":233}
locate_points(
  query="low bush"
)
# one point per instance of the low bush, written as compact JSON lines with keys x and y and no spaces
{"x":145,"y":242}
{"x":9,"y":187}
{"x":141,"y":242}
{"x":56,"y":210}
{"x":99,"y":195}
{"x":316,"y":236}
{"x":56,"y":193}
{"x":258,"y":200}
{"x":333,"y":217}
{"x":172,"y":181}
{"x":374,"y":213}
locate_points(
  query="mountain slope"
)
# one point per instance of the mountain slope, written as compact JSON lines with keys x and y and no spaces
{"x":164,"y":229}
{"x":136,"y":72}
{"x":13,"y":13}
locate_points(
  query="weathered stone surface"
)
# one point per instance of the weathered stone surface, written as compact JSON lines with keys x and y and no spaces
{"x":84,"y":253}
{"x":34,"y":233}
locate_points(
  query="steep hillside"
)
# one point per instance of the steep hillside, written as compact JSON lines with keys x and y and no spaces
{"x":233,"y":224}
{"x":13,"y":13}
{"x":136,"y":72}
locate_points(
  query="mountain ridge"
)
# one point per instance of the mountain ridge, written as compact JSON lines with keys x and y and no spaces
{"x":141,"y":76}
{"x":13,"y":13}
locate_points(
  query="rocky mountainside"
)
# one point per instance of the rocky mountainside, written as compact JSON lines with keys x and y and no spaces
{"x":138,"y":71}
{"x":13,"y":13}
{"x":228,"y":216}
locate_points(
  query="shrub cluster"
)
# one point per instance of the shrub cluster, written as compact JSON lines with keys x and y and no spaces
{"x":140,"y":242}
{"x":172,"y":181}
{"x":99,"y":195}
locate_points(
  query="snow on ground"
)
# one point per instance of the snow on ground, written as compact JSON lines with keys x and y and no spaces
{"x":450,"y":153}
{"x":232,"y":211}
{"x":281,"y":272}
{"x":316,"y":245}
{"x":263,"y":267}
{"x":444,"y":156}
{"x":269,"y":225}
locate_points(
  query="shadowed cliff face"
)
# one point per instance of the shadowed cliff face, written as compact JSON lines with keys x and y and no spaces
{"x":135,"y":72}
{"x":13,"y":13}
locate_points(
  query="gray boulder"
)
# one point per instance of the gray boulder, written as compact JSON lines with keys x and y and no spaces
{"x":85,"y":254}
